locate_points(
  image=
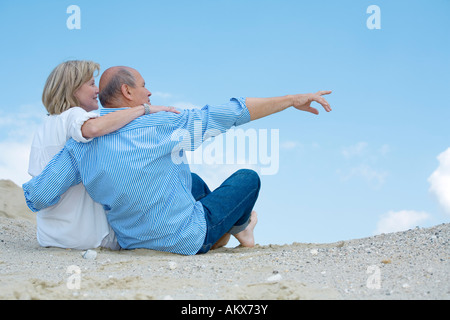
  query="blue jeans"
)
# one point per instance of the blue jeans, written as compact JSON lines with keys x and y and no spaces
{"x":228,"y":208}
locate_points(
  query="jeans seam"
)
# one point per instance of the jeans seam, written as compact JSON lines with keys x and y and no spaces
{"x":201,"y":196}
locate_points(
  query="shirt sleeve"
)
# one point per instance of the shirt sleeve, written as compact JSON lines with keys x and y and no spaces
{"x":75,"y":121}
{"x":46,"y":189}
{"x":210,"y":121}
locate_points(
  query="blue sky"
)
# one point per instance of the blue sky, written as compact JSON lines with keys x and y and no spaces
{"x":361,"y":169}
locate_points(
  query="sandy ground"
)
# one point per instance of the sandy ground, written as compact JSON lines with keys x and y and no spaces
{"x":414,"y":264}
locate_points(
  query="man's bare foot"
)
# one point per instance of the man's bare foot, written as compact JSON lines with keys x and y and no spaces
{"x":246,"y":237}
{"x":222,"y":241}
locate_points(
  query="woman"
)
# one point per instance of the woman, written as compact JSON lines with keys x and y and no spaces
{"x":70,"y":96}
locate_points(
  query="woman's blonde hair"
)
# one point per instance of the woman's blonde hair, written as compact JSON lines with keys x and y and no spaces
{"x":64,"y":81}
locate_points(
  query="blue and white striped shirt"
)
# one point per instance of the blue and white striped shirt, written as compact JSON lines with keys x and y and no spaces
{"x":140,"y":175}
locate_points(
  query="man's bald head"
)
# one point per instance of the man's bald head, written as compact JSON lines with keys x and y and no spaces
{"x":111,"y":82}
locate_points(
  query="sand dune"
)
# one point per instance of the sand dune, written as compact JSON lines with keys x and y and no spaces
{"x":414,"y":264}
{"x":12,"y":202}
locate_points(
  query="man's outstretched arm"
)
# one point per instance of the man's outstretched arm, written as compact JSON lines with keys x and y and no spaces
{"x":263,"y":107}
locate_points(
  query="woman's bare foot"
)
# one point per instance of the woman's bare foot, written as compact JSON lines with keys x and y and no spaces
{"x":246,"y":237}
{"x":222,"y":241}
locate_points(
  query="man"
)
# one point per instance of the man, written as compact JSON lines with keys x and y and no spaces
{"x":151,"y":200}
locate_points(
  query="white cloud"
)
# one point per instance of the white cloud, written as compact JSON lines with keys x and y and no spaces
{"x":169,"y":99}
{"x":358,"y":149}
{"x":163,"y":95}
{"x":439,"y":186}
{"x":364,"y":160}
{"x":290,"y":145}
{"x":372,"y":176}
{"x":394,"y":221}
{"x":440,"y":181}
{"x":14,"y":161}
{"x":184,"y":105}
{"x":384,"y":149}
{"x":16,"y":134}
{"x":20,"y":124}
{"x":375,"y":178}
{"x":362,"y":150}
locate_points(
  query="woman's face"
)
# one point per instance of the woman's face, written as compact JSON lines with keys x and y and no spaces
{"x":87,"y":95}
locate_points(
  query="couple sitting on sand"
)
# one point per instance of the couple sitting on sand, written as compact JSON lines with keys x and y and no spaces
{"x":111,"y":180}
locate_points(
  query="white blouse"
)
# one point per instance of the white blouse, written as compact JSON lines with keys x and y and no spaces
{"x":77,"y":221}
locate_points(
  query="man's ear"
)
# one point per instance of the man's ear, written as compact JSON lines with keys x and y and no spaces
{"x":126,"y":92}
